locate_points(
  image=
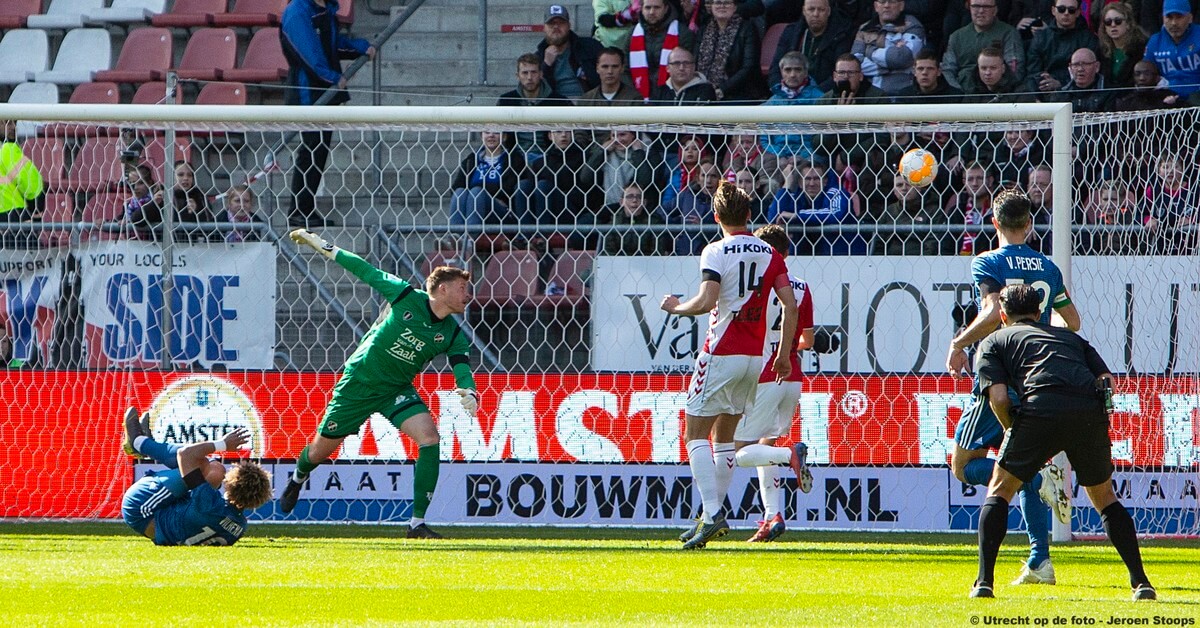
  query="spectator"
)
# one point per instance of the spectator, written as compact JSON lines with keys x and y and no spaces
{"x":886,"y":46}
{"x":143,"y":210}
{"x":1086,"y":91}
{"x":1122,"y":43}
{"x":1170,"y":205}
{"x":741,"y":151}
{"x":191,"y":205}
{"x":910,"y":206}
{"x":1018,"y":155}
{"x":1176,"y":50}
{"x":822,"y":36}
{"x":691,"y":154}
{"x":796,"y":88}
{"x":928,"y":85}
{"x":21,"y":184}
{"x":1112,"y":210}
{"x":619,"y":161}
{"x":971,"y":206}
{"x":685,"y":86}
{"x":1041,"y":196}
{"x":313,"y":45}
{"x":614,"y":22}
{"x":240,"y":209}
{"x":809,"y":198}
{"x":993,"y":82}
{"x":612,"y":91}
{"x":655,"y":36}
{"x":694,"y":207}
{"x":562,"y":180}
{"x":1146,"y":94}
{"x":984,"y":31}
{"x":1051,"y":49}
{"x":644,"y":235}
{"x":749,"y":182}
{"x":727,"y":51}
{"x":845,"y":152}
{"x":486,"y":188}
{"x":568,"y":60}
{"x":532,"y":91}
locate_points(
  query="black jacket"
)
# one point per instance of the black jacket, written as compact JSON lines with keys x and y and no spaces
{"x":584,"y":52}
{"x":837,"y":40}
{"x":743,"y":79}
{"x":514,"y":171}
{"x":943,"y":94}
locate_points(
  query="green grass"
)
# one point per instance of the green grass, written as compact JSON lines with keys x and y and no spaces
{"x":103,"y":575}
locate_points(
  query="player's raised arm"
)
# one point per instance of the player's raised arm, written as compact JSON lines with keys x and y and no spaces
{"x":386,"y":284}
{"x":193,"y":458}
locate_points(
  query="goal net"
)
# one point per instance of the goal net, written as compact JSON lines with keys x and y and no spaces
{"x":151,"y":268}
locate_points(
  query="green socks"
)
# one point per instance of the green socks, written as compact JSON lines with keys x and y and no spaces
{"x":425,"y":477}
{"x":303,"y":466}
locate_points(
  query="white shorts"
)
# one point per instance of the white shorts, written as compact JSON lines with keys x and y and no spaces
{"x":723,"y":384}
{"x":772,"y":412}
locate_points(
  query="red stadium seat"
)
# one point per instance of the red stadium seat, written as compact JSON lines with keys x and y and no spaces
{"x":154,"y":93}
{"x":97,"y":165}
{"x":59,"y":208}
{"x":15,"y":13}
{"x":104,"y":207}
{"x":769,"y":43}
{"x":345,"y":14}
{"x":509,"y":278}
{"x":155,"y":153}
{"x":190,"y":14}
{"x":102,"y":93}
{"x":252,"y":14}
{"x":146,"y":55}
{"x":47,"y":154}
{"x":264,"y":61}
{"x":222,"y":94}
{"x":208,"y":52}
{"x":569,"y":272}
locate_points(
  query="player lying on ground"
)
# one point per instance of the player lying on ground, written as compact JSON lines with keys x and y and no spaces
{"x":379,"y":376}
{"x":183,"y":505}
{"x":770,"y":417}
{"x":978,"y":431}
{"x":738,"y":273}
{"x":1057,"y":376}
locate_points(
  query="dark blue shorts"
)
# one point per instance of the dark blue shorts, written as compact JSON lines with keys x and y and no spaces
{"x":148,"y":495}
{"x":979,"y":428}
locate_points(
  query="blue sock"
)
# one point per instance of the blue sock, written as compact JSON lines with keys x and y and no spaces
{"x":979,"y":471}
{"x":1037,"y":522}
{"x":163,"y":453}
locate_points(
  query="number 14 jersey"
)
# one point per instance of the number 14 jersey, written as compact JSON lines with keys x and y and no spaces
{"x":747,"y":270}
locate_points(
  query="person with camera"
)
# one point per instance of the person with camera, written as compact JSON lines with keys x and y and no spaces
{"x":1063,"y":386}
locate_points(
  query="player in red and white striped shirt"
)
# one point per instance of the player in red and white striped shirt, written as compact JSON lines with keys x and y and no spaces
{"x":738,"y":274}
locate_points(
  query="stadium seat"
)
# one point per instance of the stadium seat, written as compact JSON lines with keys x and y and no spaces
{"x":146,"y":55}
{"x":155,"y":154}
{"x":125,"y":12}
{"x":59,"y":208}
{"x":15,"y":13}
{"x":569,"y":273}
{"x":190,"y":14}
{"x":345,"y":14}
{"x":103,"y":207}
{"x":97,"y":165}
{"x":208,"y":52}
{"x":23,"y":51}
{"x":84,"y":51}
{"x":433,"y":259}
{"x":509,"y":278}
{"x":64,"y":14}
{"x":222,"y":94}
{"x":769,"y":43}
{"x":154,"y":93}
{"x":252,"y":14}
{"x":33,"y":93}
{"x":264,"y":61}
{"x":100,"y":93}
{"x":47,"y":154}
{"x":489,"y":243}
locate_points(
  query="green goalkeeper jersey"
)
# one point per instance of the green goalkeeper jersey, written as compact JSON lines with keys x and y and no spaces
{"x":398,"y":348}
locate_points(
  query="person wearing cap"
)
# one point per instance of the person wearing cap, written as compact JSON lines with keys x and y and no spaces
{"x":568,"y":60}
{"x":1176,"y":50}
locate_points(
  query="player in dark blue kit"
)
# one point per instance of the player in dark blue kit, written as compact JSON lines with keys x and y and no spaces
{"x":183,"y":505}
{"x":1013,"y":262}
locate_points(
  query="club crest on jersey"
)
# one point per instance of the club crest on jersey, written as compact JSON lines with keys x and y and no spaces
{"x":408,"y":316}
{"x":438,"y":338}
{"x":331,"y":426}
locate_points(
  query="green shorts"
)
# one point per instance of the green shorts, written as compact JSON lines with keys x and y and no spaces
{"x":352,"y":406}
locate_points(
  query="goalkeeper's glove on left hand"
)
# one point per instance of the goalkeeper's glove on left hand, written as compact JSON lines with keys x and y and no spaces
{"x":470,"y":400}
{"x":306,"y":237}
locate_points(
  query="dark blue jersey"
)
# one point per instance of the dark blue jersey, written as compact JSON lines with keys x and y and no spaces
{"x":1018,"y":264}
{"x":202,"y":517}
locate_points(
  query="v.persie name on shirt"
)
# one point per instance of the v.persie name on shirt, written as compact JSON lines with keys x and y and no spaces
{"x":1024,"y":263}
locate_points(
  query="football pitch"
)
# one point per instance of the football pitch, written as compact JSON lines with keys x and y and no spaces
{"x":100,"y":574}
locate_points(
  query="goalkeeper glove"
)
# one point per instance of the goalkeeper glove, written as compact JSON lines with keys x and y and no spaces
{"x":306,"y":237}
{"x":470,"y":400}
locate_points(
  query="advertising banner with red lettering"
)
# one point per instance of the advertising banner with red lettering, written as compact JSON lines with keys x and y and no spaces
{"x":874,"y":440}
{"x":222,"y":305}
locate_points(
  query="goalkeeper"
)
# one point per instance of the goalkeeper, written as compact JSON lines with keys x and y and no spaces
{"x":379,"y":375}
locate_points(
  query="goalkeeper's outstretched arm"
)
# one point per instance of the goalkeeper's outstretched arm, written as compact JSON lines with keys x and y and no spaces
{"x":387,"y":284}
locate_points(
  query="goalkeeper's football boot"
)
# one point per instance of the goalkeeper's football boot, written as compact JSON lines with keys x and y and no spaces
{"x":290,"y":495}
{"x":1054,"y":492}
{"x":1042,"y":574}
{"x":132,"y":431}
{"x":799,"y":464}
{"x":422,"y":532}
{"x":707,"y":532}
{"x":769,"y":530}
{"x":982,"y":589}
{"x":1144,"y":592}
{"x":690,"y":532}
